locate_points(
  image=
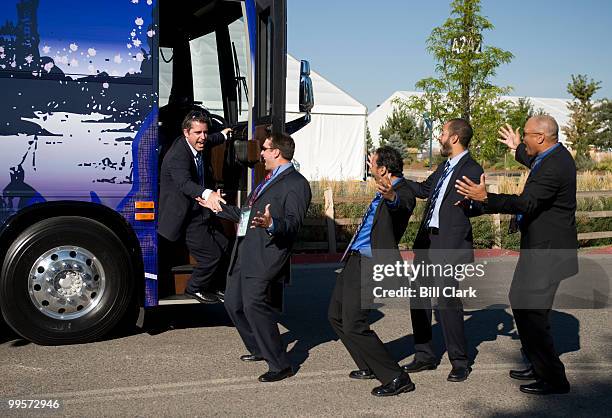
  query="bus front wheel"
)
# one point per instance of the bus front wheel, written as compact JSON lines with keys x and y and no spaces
{"x":65,"y":280}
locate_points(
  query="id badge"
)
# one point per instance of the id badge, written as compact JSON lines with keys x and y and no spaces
{"x":244,"y":222}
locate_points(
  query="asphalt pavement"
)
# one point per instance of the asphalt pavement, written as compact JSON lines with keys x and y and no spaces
{"x":184,"y":362}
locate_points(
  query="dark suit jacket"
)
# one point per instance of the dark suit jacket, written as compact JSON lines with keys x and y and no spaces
{"x":455,"y":229}
{"x":548,"y":205}
{"x":179,"y":186}
{"x":389,"y":225}
{"x":267,"y":256}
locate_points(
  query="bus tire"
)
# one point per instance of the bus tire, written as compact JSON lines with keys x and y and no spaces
{"x":65,"y":280}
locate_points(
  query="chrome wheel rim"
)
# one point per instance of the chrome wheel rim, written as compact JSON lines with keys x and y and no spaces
{"x":66,"y":282}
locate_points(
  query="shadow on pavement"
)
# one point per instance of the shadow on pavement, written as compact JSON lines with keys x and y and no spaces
{"x":588,"y":398}
{"x":165,"y":318}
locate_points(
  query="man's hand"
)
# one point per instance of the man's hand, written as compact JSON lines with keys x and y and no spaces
{"x":213,"y":202}
{"x":226,"y":131}
{"x":385,"y":188}
{"x":512,"y":139}
{"x":471,"y":190}
{"x":205,"y":204}
{"x":369,"y":163}
{"x":262,"y":220}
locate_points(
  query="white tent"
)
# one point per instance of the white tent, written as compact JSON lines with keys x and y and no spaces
{"x":557,"y":108}
{"x":331,"y":146}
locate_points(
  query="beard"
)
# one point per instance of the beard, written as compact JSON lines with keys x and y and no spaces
{"x":445,"y":149}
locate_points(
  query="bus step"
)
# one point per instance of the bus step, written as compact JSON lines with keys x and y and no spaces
{"x":177,"y":300}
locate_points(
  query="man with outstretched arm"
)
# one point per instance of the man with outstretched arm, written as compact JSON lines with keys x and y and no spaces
{"x":444,"y":237}
{"x":260,"y":261}
{"x":185,"y":177}
{"x":375,"y":242}
{"x":545,"y":214}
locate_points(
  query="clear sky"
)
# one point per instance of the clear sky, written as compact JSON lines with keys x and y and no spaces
{"x":371,"y":49}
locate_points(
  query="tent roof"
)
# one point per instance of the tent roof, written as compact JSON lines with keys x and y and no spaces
{"x":555,"y":107}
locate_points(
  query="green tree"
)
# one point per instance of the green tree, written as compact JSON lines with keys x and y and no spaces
{"x":395,"y":141}
{"x":465,"y":68}
{"x":518,"y":113}
{"x":404,"y":126}
{"x":583,"y":127}
{"x":603,"y":118}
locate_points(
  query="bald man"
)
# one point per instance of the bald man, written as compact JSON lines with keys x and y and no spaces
{"x":545,"y":213}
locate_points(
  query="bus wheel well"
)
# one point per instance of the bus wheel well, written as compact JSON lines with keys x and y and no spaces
{"x":16,"y":224}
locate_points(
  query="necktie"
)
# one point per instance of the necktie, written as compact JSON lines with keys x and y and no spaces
{"x":358,"y":230}
{"x":436,"y":193}
{"x":258,"y":189}
{"x":200,"y":167}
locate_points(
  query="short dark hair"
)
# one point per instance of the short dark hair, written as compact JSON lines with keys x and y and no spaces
{"x":194,"y":116}
{"x":390,"y":158}
{"x":462,"y":129}
{"x":284,"y":143}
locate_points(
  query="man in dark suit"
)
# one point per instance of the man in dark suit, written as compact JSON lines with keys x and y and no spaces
{"x":444,"y":237}
{"x":375,"y":242}
{"x":545,"y":213}
{"x":260,"y":261}
{"x":184,"y":177}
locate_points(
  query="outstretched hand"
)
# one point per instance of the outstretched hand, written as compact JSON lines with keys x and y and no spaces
{"x":262,"y":220}
{"x":471,"y":190}
{"x":213,"y":202}
{"x":510,"y":138}
{"x":385,"y":187}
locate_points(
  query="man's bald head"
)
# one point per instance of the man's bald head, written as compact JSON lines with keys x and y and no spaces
{"x":545,"y":124}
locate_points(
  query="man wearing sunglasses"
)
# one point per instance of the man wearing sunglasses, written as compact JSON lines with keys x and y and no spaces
{"x":268,"y":225}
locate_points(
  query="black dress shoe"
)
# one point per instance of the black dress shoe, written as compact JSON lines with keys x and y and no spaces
{"x":203,"y":297}
{"x":251,"y":357}
{"x":527,"y":374}
{"x":459,"y":374}
{"x":361,"y":374}
{"x":400,"y":384}
{"x":271,"y":376}
{"x":220,"y":295}
{"x":540,"y":387}
{"x":419,"y":366}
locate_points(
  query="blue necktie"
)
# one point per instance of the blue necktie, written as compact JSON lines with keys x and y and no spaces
{"x":436,"y":193}
{"x":200,"y":167}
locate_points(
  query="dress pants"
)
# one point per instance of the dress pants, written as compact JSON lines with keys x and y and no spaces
{"x":533,"y":326}
{"x":350,"y":322}
{"x":207,"y":244}
{"x":246,"y":302}
{"x":450,"y":314}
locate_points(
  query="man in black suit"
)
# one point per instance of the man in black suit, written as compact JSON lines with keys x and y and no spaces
{"x":444,"y":237}
{"x":545,"y":213}
{"x":375,"y":242}
{"x":184,"y":177}
{"x":260,"y":261}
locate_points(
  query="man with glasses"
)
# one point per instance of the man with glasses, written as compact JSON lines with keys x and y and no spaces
{"x":184,"y":177}
{"x":545,"y":214}
{"x":260,"y":262}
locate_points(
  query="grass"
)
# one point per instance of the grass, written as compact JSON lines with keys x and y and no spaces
{"x":587,"y":181}
{"x":483,"y":228}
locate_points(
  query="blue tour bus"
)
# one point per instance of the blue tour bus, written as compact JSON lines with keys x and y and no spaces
{"x":92,"y":95}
